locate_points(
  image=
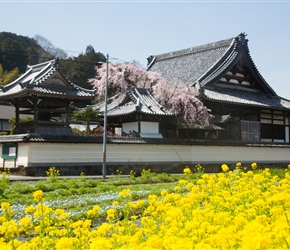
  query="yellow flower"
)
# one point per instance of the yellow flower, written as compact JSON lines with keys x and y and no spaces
{"x":94,"y":212}
{"x":111,"y":214}
{"x":6,"y":207}
{"x":124,"y":193}
{"x":38,"y":195}
{"x":9,"y":229}
{"x":164,"y":192}
{"x":225,"y":168}
{"x":187,"y":171}
{"x":254,"y":165}
{"x":26,"y":223}
{"x":182,"y":182}
{"x":238,"y":165}
{"x":66,"y":243}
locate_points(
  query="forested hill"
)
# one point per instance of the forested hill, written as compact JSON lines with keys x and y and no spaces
{"x":16,"y":52}
{"x":19,"y":51}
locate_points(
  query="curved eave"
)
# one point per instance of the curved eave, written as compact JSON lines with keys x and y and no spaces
{"x":72,"y":94}
{"x":237,"y":50}
{"x":55,"y":94}
{"x":33,"y":81}
{"x":247,"y":99}
{"x":116,"y":113}
{"x":256,"y":72}
{"x":221,"y":66}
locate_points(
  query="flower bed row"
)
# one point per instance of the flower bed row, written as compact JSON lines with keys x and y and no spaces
{"x":243,"y":210}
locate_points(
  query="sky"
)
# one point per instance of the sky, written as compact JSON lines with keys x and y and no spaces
{"x":134,"y":30}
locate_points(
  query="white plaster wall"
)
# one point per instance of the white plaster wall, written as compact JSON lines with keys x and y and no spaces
{"x":130,"y":126}
{"x":149,"y":127}
{"x":56,"y":154}
{"x":195,"y":153}
{"x":22,"y":157}
{"x":146,"y":127}
{"x":65,"y":152}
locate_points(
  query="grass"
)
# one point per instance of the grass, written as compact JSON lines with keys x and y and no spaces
{"x":76,"y":196}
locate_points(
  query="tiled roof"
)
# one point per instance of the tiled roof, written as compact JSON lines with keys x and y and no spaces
{"x":207,"y":63}
{"x":127,"y":140}
{"x":135,"y":99}
{"x":34,"y":81}
{"x":49,"y":138}
{"x":189,"y":64}
{"x":245,"y":97}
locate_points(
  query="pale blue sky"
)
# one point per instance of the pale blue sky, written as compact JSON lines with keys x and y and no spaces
{"x":133,"y":30}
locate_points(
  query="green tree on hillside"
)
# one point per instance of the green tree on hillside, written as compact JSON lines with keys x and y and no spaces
{"x":7,"y":77}
{"x":79,"y":69}
{"x":13,"y":55}
{"x":19,"y":51}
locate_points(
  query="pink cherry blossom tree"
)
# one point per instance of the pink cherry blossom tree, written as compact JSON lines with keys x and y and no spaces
{"x":176,"y":96}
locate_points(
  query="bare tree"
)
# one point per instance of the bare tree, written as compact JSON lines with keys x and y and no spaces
{"x":49,"y":47}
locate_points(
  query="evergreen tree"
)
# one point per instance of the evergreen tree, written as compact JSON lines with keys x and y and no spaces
{"x":79,"y":69}
{"x":86,"y":115}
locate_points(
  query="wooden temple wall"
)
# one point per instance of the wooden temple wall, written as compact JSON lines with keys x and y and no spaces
{"x":74,"y":158}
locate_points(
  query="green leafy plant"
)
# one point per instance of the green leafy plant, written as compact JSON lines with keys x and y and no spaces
{"x":132,"y":175}
{"x":87,"y":115}
{"x":52,"y":173}
{"x":4,"y":183}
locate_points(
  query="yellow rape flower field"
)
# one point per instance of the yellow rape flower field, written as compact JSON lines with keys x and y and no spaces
{"x":229,"y":210}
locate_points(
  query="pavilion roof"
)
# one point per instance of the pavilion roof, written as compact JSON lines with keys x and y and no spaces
{"x":45,"y":80}
{"x":134,"y":100}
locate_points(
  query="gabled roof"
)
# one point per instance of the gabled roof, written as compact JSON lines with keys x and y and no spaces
{"x":203,"y":66}
{"x":46,"y":80}
{"x":203,"y":63}
{"x":134,"y":100}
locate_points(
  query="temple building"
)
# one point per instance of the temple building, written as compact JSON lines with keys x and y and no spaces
{"x":46,"y":95}
{"x":250,"y":124}
{"x":230,"y":85}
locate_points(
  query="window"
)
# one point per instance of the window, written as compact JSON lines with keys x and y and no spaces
{"x":266,"y":131}
{"x":278,"y":132}
{"x":250,"y":131}
{"x":273,"y":132}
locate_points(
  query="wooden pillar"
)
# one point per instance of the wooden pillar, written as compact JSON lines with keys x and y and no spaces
{"x":139,"y":123}
{"x":35,"y":110}
{"x":67,"y":115}
{"x":17,"y":113}
{"x":17,"y":116}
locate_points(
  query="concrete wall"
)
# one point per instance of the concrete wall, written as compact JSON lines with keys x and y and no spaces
{"x":87,"y":157}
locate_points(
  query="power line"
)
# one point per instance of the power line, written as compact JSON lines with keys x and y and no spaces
{"x":65,"y":59}
{"x":46,"y":57}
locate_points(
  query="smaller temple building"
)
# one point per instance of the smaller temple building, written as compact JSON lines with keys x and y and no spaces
{"x":136,"y":113}
{"x":45,"y":95}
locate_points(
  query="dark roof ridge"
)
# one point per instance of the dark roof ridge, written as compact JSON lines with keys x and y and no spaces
{"x":40,"y":65}
{"x":195,"y":49}
{"x":138,"y":91}
{"x":227,"y":54}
